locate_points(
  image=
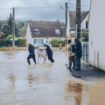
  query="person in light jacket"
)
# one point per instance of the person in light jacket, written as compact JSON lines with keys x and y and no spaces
{"x":71,"y":55}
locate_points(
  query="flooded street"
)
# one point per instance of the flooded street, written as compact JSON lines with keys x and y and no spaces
{"x":45,"y":84}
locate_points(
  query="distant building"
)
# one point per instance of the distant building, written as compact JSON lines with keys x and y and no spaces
{"x":44,"y":31}
{"x":97,"y":34}
{"x":84,"y":21}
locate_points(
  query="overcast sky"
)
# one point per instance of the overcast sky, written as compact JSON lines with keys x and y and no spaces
{"x":43,"y":9}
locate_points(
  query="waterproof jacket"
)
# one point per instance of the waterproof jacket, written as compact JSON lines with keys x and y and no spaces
{"x":70,"y":52}
{"x":31,"y":50}
{"x":48,"y":50}
{"x":78,"y":49}
{"x":73,"y":48}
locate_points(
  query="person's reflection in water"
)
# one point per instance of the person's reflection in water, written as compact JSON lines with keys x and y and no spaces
{"x":31,"y":79}
{"x":12,"y":80}
{"x":75,"y":89}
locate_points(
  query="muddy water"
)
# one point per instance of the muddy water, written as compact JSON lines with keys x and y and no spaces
{"x":97,"y":93}
{"x":44,"y":84}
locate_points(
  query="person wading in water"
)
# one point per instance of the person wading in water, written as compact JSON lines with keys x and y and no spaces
{"x":31,"y":55}
{"x":49,"y":53}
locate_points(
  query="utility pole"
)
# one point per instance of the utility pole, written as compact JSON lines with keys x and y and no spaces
{"x":13,"y":28}
{"x":67,"y":23}
{"x":78,"y":18}
{"x":66,"y":11}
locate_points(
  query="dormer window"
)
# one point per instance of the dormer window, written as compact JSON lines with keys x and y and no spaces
{"x":57,"y":31}
{"x":36,"y":31}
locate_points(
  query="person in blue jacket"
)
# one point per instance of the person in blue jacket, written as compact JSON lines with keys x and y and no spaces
{"x":78,"y":52}
{"x":49,"y":53}
{"x":31,"y":55}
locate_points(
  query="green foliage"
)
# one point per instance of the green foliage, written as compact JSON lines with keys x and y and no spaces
{"x":19,"y":28}
{"x":21,"y":42}
{"x":6,"y":30}
{"x":7,"y":42}
{"x":16,"y":30}
{"x":0,"y":26}
{"x":9,"y":37}
{"x":56,"y":42}
{"x":85,"y":36}
{"x":10,"y":24}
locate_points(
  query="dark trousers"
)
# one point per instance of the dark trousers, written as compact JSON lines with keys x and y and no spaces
{"x":72,"y":61}
{"x":78,"y":63}
{"x":50,"y":57}
{"x":31,"y":57}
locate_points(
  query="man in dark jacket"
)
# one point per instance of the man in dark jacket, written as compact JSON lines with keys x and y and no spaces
{"x":78,"y":53}
{"x":49,"y":53}
{"x":74,"y":51}
{"x":31,"y":54}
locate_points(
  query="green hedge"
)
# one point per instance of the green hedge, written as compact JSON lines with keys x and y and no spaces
{"x":56,"y":42}
{"x":6,"y":43}
{"x":20,"y":42}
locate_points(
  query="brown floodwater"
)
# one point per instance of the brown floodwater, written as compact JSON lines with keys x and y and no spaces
{"x":45,"y":84}
{"x":97,"y":93}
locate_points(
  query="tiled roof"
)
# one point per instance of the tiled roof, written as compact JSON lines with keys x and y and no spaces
{"x":46,"y":29}
{"x":73,"y":18}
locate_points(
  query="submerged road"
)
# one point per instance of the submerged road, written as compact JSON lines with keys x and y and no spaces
{"x":45,"y":84}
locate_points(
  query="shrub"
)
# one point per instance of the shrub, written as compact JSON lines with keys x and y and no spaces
{"x":9,"y":37}
{"x":56,"y":42}
{"x":85,"y":36}
{"x":5,"y":42}
{"x":21,"y":42}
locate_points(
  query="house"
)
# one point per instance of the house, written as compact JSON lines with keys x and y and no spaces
{"x":97,"y":34}
{"x":84,"y":21}
{"x":44,"y":31}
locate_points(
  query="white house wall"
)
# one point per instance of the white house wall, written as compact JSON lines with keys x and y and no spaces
{"x":97,"y":34}
{"x":28,"y":35}
{"x":47,"y":39}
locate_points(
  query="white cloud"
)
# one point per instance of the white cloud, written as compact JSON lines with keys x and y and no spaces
{"x":16,"y":3}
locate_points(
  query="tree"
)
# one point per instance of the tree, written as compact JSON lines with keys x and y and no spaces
{"x":0,"y":26}
{"x":10,"y":24}
{"x":6,"y":30}
{"x":85,"y":36}
{"x":16,"y":30}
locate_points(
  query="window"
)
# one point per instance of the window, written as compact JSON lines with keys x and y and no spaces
{"x":36,"y":31}
{"x":86,"y":24}
{"x":41,"y":41}
{"x":57,"y":31}
{"x":35,"y":41}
